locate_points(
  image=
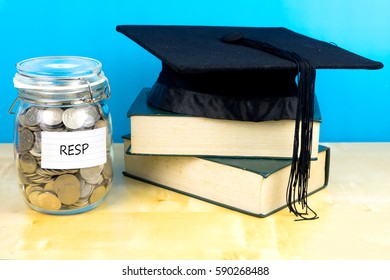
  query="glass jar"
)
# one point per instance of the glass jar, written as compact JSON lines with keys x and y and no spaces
{"x":63,"y":134}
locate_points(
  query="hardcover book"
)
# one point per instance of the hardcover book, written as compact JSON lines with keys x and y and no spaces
{"x":158,"y":132}
{"x":255,"y":186}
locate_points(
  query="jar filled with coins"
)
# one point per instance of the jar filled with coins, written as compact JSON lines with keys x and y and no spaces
{"x":63,"y":134}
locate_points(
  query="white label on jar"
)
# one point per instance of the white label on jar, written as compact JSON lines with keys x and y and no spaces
{"x":72,"y":150}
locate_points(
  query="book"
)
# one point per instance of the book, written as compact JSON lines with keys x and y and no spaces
{"x":159,"y":132}
{"x":255,"y":186}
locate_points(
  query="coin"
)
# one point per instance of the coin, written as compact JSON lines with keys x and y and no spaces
{"x":21,"y":119}
{"x":92,"y":116}
{"x":73,"y":118}
{"x":39,"y":179}
{"x":49,"y":187}
{"x":29,"y":189}
{"x":27,"y":163}
{"x":34,"y":153}
{"x":86,"y":190}
{"x":52,"y":116}
{"x":48,"y":201}
{"x":32,"y":117}
{"x":56,"y":172}
{"x":97,"y":194}
{"x":37,"y":143}
{"x":53,"y":128}
{"x":82,"y":202}
{"x":33,"y":197}
{"x":68,"y":188}
{"x":34,"y":128}
{"x":26,"y":140}
{"x":96,"y":180}
{"x":91,"y":172}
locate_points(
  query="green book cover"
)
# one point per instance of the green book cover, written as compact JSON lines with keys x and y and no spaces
{"x":259,"y":197}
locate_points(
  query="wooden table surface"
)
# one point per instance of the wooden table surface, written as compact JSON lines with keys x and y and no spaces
{"x":141,"y":221}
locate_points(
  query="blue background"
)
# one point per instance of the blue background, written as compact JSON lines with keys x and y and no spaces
{"x":355,"y":104}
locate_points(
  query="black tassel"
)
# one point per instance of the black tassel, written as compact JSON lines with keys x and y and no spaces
{"x":297,"y":188}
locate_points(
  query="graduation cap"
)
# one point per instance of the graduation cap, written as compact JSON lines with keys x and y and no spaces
{"x":246,"y":74}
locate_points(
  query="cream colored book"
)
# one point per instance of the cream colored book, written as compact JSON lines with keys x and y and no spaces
{"x":255,"y":186}
{"x":158,"y":132}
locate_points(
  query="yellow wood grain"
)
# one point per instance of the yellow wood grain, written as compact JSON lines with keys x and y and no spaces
{"x":141,"y":221}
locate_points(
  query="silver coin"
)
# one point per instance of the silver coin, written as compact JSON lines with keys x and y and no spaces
{"x":38,"y":137}
{"x":21,"y":120}
{"x":92,"y":116}
{"x":38,"y":142}
{"x":35,"y":152}
{"x":52,"y":116}
{"x":73,"y":118}
{"x":26,"y":140}
{"x":32,"y":117}
{"x":96,"y":180}
{"x":91,"y":172}
{"x":45,"y":127}
{"x":86,"y":190}
{"x":34,"y":128}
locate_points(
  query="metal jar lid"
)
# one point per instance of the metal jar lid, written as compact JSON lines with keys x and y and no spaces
{"x":61,"y":79}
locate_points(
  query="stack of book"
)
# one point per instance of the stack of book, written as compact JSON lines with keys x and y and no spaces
{"x":244,"y":166}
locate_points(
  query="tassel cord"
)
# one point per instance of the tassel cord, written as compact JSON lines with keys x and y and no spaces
{"x":297,"y":188}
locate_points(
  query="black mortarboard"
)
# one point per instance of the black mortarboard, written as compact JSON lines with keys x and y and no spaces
{"x":244,"y":73}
